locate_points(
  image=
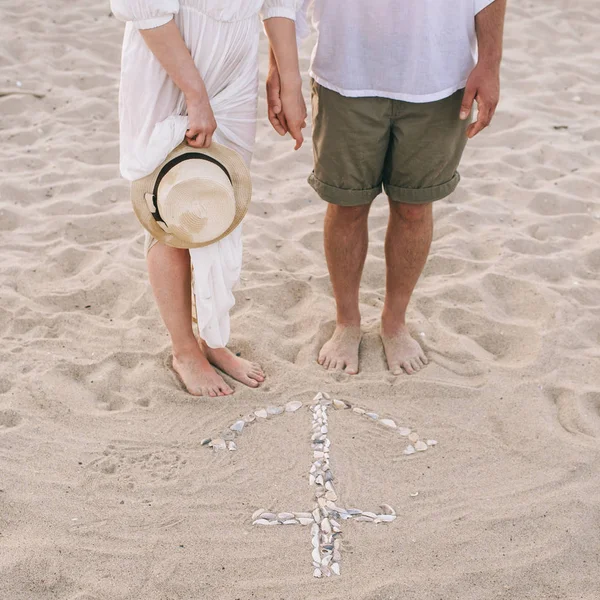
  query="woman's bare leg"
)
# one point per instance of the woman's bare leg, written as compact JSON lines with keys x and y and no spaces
{"x":170,"y":276}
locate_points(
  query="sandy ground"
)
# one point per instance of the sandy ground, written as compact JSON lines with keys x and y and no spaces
{"x":105,"y":492}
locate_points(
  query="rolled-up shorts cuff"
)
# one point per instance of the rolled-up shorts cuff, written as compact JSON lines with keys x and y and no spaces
{"x":421,"y":195}
{"x":343,"y":197}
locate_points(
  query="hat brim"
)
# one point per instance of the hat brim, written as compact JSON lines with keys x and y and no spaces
{"x":240,"y":180}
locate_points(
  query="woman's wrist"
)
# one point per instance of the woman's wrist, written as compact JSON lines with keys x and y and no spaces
{"x":290,"y":80}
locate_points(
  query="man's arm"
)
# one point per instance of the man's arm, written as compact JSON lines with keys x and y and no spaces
{"x":483,"y":84}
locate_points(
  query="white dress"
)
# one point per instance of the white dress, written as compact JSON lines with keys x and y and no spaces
{"x":222,"y":36}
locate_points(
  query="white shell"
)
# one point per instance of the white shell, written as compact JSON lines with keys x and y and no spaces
{"x":274,"y":410}
{"x":386,"y":518}
{"x":421,"y":446}
{"x":290,"y":522}
{"x":389,"y":423}
{"x":293,"y":406}
{"x":317,"y":573}
{"x":304,"y":521}
{"x":404,"y":431}
{"x":261,"y":413}
{"x":316,"y":555}
{"x":340,"y":405}
{"x":250,"y":418}
{"x":285,"y":516}
{"x":257,"y":513}
{"x":358,"y":411}
{"x":218,"y":444}
{"x":413,"y":437}
{"x":431,"y":442}
{"x":325,"y":526}
{"x":409,"y":450}
{"x":335,"y":568}
{"x":387,"y":509}
{"x":372,"y":415}
{"x":231,"y":446}
{"x":238,"y":426}
{"x":261,"y":522}
{"x":326,"y":396}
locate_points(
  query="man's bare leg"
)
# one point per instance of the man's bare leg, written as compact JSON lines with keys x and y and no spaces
{"x":407,"y":244}
{"x":346,"y":243}
{"x":170,"y":276}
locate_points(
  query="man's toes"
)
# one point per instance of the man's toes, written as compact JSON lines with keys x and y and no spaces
{"x":226,"y":390}
{"x":416,"y":365}
{"x":258,"y":369}
{"x":321,"y":359}
{"x":407,"y":367}
{"x":351,"y":368}
{"x":333,"y":364}
{"x":257,"y":374}
{"x":396,"y":370}
{"x":326,"y":362}
{"x":211,"y":392}
{"x":250,"y":382}
{"x":424,"y":359}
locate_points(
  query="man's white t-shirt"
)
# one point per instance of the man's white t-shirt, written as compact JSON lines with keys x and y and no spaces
{"x":412,"y":50}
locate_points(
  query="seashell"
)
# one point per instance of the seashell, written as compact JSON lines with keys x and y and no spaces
{"x":337,"y":544}
{"x":387,"y":509}
{"x":326,"y":571}
{"x":304,"y":521}
{"x":317,"y":573}
{"x":335,"y":525}
{"x":318,"y":397}
{"x":238,"y":426}
{"x":413,"y":437}
{"x":359,"y":411}
{"x":314,"y":530}
{"x":316,"y":515}
{"x":311,"y":479}
{"x":335,"y":568}
{"x":409,"y":450}
{"x":205,"y":442}
{"x":414,"y":494}
{"x":344,"y":516}
{"x":431,"y":442}
{"x":274,"y":410}
{"x":218,"y":444}
{"x":316,"y":555}
{"x":328,"y":486}
{"x":328,"y":475}
{"x":303,"y":515}
{"x":261,"y":413}
{"x":261,"y":522}
{"x":331,"y":505}
{"x":325,"y":526}
{"x":354,"y":511}
{"x":331,"y":495}
{"x":404,"y":431}
{"x":257,"y":513}
{"x":386,"y":518}
{"x":389,"y":423}
{"x":371,"y":515}
{"x":364,"y":519}
{"x":319,"y":479}
{"x":231,"y":446}
{"x":372,"y":415}
{"x":293,"y":406}
{"x":269,"y":516}
{"x":326,"y":560}
{"x":319,"y":454}
{"x":285,"y":516}
{"x":326,"y":396}
{"x":340,"y":405}
{"x":250,"y":418}
{"x":421,"y":446}
{"x":291,"y":522}
{"x":324,"y":429}
{"x":321,"y":502}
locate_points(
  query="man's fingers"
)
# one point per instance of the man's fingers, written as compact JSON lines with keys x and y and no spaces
{"x":483,"y":120}
{"x":296,"y":133}
{"x":208,"y":141}
{"x":467,"y":102}
{"x":198,"y":142}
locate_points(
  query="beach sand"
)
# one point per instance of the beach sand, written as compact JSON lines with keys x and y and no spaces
{"x":105,"y":491}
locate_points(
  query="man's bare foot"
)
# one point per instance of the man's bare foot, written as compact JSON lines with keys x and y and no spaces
{"x":197,"y":374}
{"x":243,"y":370}
{"x":341,"y":351}
{"x":403,"y":351}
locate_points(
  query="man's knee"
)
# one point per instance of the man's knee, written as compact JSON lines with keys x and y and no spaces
{"x":348,"y":214}
{"x":412,"y":213}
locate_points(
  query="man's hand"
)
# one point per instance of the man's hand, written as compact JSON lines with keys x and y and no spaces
{"x":483,"y":86}
{"x":274,"y":98}
{"x":201,"y":122}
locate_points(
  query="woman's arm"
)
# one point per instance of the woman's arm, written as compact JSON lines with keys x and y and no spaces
{"x":282,"y":37}
{"x":166,"y":43}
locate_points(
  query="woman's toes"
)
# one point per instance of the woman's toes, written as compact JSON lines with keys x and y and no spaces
{"x":415,"y":364}
{"x":407,"y":367}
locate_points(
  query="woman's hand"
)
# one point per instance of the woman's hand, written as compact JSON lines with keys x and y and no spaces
{"x":293,"y":110}
{"x":202,"y":122}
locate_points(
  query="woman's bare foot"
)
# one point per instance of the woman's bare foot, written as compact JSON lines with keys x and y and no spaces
{"x":341,"y":351}
{"x":249,"y":373}
{"x":402,"y":351}
{"x":197,"y":374}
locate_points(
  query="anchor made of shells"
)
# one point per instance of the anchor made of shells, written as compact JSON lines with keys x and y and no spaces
{"x":324,"y":518}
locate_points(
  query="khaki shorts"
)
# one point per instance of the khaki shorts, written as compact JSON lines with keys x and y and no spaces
{"x":362,"y":145}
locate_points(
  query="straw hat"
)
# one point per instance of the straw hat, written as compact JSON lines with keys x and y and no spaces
{"x":195,"y":197}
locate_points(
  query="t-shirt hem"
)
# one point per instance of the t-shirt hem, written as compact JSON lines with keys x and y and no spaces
{"x":416,"y":98}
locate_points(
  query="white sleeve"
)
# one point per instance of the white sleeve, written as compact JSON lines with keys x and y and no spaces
{"x":145,"y":14}
{"x":280,"y":8}
{"x":481,"y":4}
